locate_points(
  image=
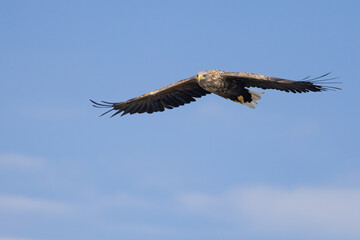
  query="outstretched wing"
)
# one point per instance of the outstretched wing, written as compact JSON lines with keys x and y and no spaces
{"x":266,"y":82}
{"x":174,"y":95}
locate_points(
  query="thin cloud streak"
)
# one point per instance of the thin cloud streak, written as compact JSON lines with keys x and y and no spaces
{"x":314,"y":211}
{"x":10,"y":160}
{"x":14,"y":238}
{"x":26,"y":204}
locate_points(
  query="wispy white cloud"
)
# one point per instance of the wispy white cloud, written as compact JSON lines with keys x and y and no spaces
{"x":20,"y":161}
{"x":146,"y":229}
{"x":27,"y":204}
{"x":14,"y":238}
{"x":314,"y":211}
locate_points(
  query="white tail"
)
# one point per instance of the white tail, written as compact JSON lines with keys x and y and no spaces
{"x":255,"y":96}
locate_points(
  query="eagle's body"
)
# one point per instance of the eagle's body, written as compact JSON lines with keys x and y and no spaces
{"x":230,"y":85}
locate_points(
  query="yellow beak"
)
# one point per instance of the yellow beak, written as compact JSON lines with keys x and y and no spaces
{"x":199,"y":78}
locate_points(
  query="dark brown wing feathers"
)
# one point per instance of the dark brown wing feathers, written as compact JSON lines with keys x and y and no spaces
{"x":174,"y":95}
{"x":266,"y":82}
{"x":185,"y":91}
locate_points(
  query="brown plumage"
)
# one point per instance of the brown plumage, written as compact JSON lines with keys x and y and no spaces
{"x":231,"y":85}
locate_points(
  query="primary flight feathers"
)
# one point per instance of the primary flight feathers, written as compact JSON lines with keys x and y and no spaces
{"x":230,"y":85}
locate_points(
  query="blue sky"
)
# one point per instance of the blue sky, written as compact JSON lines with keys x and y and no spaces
{"x":290,"y":169}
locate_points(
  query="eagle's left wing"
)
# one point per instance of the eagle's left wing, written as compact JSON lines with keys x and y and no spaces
{"x":245,"y":79}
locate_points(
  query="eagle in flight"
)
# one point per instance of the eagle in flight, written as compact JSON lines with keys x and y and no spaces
{"x":230,"y":85}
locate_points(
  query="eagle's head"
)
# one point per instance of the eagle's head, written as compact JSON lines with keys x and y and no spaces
{"x":203,"y":75}
{"x":208,"y":76}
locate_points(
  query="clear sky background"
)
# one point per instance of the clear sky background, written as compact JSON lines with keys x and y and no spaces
{"x":214,"y":169}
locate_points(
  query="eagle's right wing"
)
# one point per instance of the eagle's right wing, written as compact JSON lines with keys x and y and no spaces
{"x":174,"y":95}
